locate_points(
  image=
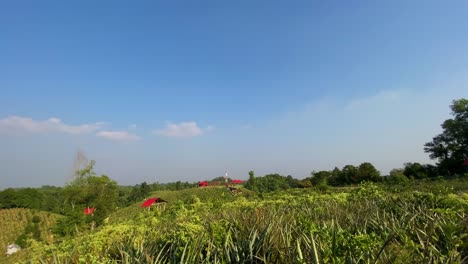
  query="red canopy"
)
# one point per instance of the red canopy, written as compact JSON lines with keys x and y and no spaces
{"x":202,"y":183}
{"x":88,"y":211}
{"x":149,"y":202}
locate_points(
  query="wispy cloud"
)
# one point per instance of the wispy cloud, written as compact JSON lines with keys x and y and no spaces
{"x":383,"y":97}
{"x":182,"y":130}
{"x":117,"y":135}
{"x":19,"y":125}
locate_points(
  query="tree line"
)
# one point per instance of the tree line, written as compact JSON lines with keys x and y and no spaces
{"x":449,"y":149}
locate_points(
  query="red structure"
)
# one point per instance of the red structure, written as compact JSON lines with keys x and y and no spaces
{"x":155,"y":200}
{"x":149,"y":202}
{"x":237,"y":181}
{"x":88,"y":211}
{"x":465,"y":163}
{"x":202,"y":184}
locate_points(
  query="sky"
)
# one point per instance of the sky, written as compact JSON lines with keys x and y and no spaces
{"x":183,"y":90}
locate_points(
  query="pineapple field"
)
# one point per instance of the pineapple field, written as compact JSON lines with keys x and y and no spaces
{"x":369,"y":223}
{"x":18,"y":225}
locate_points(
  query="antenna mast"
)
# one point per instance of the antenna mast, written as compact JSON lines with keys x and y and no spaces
{"x":226,"y":178}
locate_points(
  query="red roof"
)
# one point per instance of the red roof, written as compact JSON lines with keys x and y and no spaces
{"x":202,"y":183}
{"x":88,"y":211}
{"x":149,"y":202}
{"x":237,"y":181}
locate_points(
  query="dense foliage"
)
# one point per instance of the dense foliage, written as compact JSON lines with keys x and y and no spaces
{"x":365,"y":225}
{"x":46,"y":198}
{"x":450,"y":148}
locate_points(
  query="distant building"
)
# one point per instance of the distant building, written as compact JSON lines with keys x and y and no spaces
{"x":13,"y":248}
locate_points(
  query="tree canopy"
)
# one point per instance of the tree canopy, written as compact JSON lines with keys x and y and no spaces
{"x":87,"y":190}
{"x":450,"y":148}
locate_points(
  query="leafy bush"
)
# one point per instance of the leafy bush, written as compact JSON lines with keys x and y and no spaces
{"x":366,"y":190}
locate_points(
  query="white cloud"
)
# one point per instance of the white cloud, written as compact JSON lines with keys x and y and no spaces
{"x":182,"y":130}
{"x":18,"y":124}
{"x":117,"y":135}
{"x":382,"y":97}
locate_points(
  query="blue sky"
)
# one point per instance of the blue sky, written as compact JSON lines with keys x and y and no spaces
{"x":181,"y":90}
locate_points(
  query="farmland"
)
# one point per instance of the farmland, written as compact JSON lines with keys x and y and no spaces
{"x":369,"y":223}
{"x":14,"y":225}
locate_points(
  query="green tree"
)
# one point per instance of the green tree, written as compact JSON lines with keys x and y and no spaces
{"x":320,"y":177}
{"x":415,"y":170}
{"x":8,"y":198}
{"x":397,"y":176}
{"x":21,"y":198}
{"x":87,"y":190}
{"x":293,"y":183}
{"x":335,"y":176}
{"x":450,"y":147}
{"x":367,"y":172}
{"x":139,"y":192}
{"x":349,"y":175}
{"x":272,"y":182}
{"x":251,"y":184}
{"x":102,"y":194}
{"x":178,"y":185}
{"x":431,"y":170}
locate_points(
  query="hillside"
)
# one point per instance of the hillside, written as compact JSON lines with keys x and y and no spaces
{"x":369,"y":224}
{"x":13,"y":223}
{"x":187,"y":196}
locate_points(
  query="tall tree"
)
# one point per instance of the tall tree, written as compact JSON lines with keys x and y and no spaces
{"x":251,"y":182}
{"x":450,"y":147}
{"x":349,"y":174}
{"x":87,"y":190}
{"x":335,"y":177}
{"x":367,"y":172}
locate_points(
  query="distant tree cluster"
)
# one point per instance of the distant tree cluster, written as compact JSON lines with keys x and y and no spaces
{"x":348,"y":175}
{"x":45,"y":198}
{"x":172,"y":186}
{"x":270,"y":182}
{"x":139,"y":192}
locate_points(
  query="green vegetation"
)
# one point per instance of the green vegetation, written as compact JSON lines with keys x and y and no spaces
{"x":365,"y":225}
{"x":451,"y":146}
{"x":213,"y":195}
{"x":416,"y":214}
{"x":20,"y":225}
